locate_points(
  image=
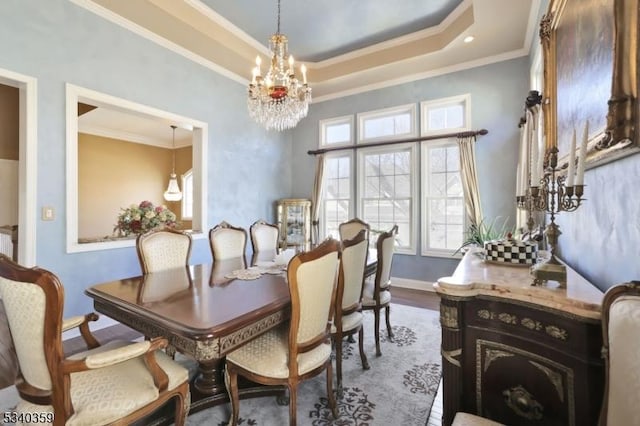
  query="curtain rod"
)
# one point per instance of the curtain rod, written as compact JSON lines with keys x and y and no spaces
{"x":417,"y":139}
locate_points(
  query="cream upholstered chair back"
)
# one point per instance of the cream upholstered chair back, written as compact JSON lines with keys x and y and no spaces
{"x":264,"y":236}
{"x":312,"y":280}
{"x":349,"y":229}
{"x":227,"y":241}
{"x":385,"y":246}
{"x":26,"y":306}
{"x":163,"y":249}
{"x":353,"y":261}
{"x":621,"y":328}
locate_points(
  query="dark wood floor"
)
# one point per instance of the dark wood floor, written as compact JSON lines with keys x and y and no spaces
{"x":416,"y":298}
{"x":399,"y":295}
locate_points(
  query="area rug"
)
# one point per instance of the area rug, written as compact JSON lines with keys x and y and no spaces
{"x":399,"y":389}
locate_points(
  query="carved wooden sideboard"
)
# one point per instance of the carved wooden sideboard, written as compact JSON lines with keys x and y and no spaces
{"x":518,"y":354}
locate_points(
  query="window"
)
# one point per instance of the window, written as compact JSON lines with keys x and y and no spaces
{"x":443,"y":200}
{"x":445,"y":115}
{"x":387,"y":124}
{"x":187,"y":195}
{"x":336,"y":131}
{"x":336,"y":199}
{"x":387,"y":187}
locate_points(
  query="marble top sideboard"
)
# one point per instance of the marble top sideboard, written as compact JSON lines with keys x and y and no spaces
{"x":474,"y":277}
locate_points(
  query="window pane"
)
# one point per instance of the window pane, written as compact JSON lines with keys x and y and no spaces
{"x":455,"y":116}
{"x":437,"y":160}
{"x":344,"y":188}
{"x":372,"y":186}
{"x":437,"y":185}
{"x":437,"y":118}
{"x":330,"y":168}
{"x":402,"y":186}
{"x":344,"y":167}
{"x":437,"y":236}
{"x":454,"y":185}
{"x":387,"y":163}
{"x":437,"y":211}
{"x":337,"y":133}
{"x":392,"y":123}
{"x":453,"y":158}
{"x":371,"y":165}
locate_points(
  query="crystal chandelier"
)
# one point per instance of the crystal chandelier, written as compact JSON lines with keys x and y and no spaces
{"x":173,"y":190}
{"x":278,"y":100}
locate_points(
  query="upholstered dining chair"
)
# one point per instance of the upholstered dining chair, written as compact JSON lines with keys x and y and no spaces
{"x":621,"y":351}
{"x":301,"y":349}
{"x":227,"y":242}
{"x":377,"y":292}
{"x":264,"y":236}
{"x":116,"y":383}
{"x":348,"y":304}
{"x":350,"y":228}
{"x":159,"y":250}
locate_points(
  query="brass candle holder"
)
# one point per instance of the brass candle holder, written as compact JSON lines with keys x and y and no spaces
{"x":553,"y":196}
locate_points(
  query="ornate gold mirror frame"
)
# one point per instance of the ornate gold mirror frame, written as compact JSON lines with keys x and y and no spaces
{"x":590,"y":51}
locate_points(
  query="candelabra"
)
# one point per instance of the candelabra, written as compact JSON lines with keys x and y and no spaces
{"x":552,"y":195}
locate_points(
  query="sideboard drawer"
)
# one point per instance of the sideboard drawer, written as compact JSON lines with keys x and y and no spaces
{"x":545,"y":326}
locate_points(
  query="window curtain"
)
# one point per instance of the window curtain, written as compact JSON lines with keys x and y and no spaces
{"x":316,"y":199}
{"x":466,"y":145}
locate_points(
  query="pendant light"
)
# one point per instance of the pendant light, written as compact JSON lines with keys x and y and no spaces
{"x":173,"y":190}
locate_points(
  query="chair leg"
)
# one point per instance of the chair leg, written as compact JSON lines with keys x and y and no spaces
{"x":330,"y":395}
{"x":233,"y":395}
{"x":338,"y":342}
{"x":363,"y":356}
{"x":376,"y":315}
{"x":293,"y":397}
{"x":387,"y":311}
{"x":182,"y":405}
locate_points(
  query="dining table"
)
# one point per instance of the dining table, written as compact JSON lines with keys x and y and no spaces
{"x":204,"y":311}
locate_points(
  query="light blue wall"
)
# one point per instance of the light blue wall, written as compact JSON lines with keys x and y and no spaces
{"x":601,"y":240}
{"x":58,"y":42}
{"x":497,"y":99}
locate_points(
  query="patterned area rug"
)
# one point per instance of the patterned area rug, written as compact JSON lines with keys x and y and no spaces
{"x":398,"y":389}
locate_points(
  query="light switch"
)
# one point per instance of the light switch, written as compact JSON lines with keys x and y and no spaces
{"x":47,"y":213}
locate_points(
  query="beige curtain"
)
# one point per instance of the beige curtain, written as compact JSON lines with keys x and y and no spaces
{"x":469,"y":176}
{"x":316,"y":199}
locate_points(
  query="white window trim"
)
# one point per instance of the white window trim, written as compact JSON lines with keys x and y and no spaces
{"x":352,"y":199}
{"x":75,"y":94}
{"x":410,"y":108}
{"x":425,"y":106}
{"x":411,"y":250}
{"x":425,"y":250}
{"x":345,"y":119}
{"x":187,"y":174}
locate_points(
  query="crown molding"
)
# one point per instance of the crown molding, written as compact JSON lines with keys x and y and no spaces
{"x":425,"y":74}
{"x":150,"y":35}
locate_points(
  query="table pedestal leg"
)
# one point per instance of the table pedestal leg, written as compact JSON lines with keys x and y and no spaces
{"x":210,"y":380}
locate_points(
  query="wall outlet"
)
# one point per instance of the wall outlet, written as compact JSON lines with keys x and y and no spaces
{"x":48,"y":213}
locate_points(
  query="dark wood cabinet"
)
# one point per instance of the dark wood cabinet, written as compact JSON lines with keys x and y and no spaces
{"x":517,"y":354}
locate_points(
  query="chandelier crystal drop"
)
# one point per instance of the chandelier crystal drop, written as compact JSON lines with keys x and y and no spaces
{"x":278,"y":100}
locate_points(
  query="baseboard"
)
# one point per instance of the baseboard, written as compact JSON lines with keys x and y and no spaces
{"x":103,"y":322}
{"x":412,"y":284}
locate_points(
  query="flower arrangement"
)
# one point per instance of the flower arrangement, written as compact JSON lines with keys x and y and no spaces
{"x":138,"y":219}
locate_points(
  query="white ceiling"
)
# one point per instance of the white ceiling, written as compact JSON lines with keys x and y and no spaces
{"x":349,"y":46}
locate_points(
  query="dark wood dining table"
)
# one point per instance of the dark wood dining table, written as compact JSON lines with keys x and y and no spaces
{"x":203,"y":313}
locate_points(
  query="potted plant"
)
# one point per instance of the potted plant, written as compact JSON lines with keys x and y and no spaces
{"x":477,"y":235}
